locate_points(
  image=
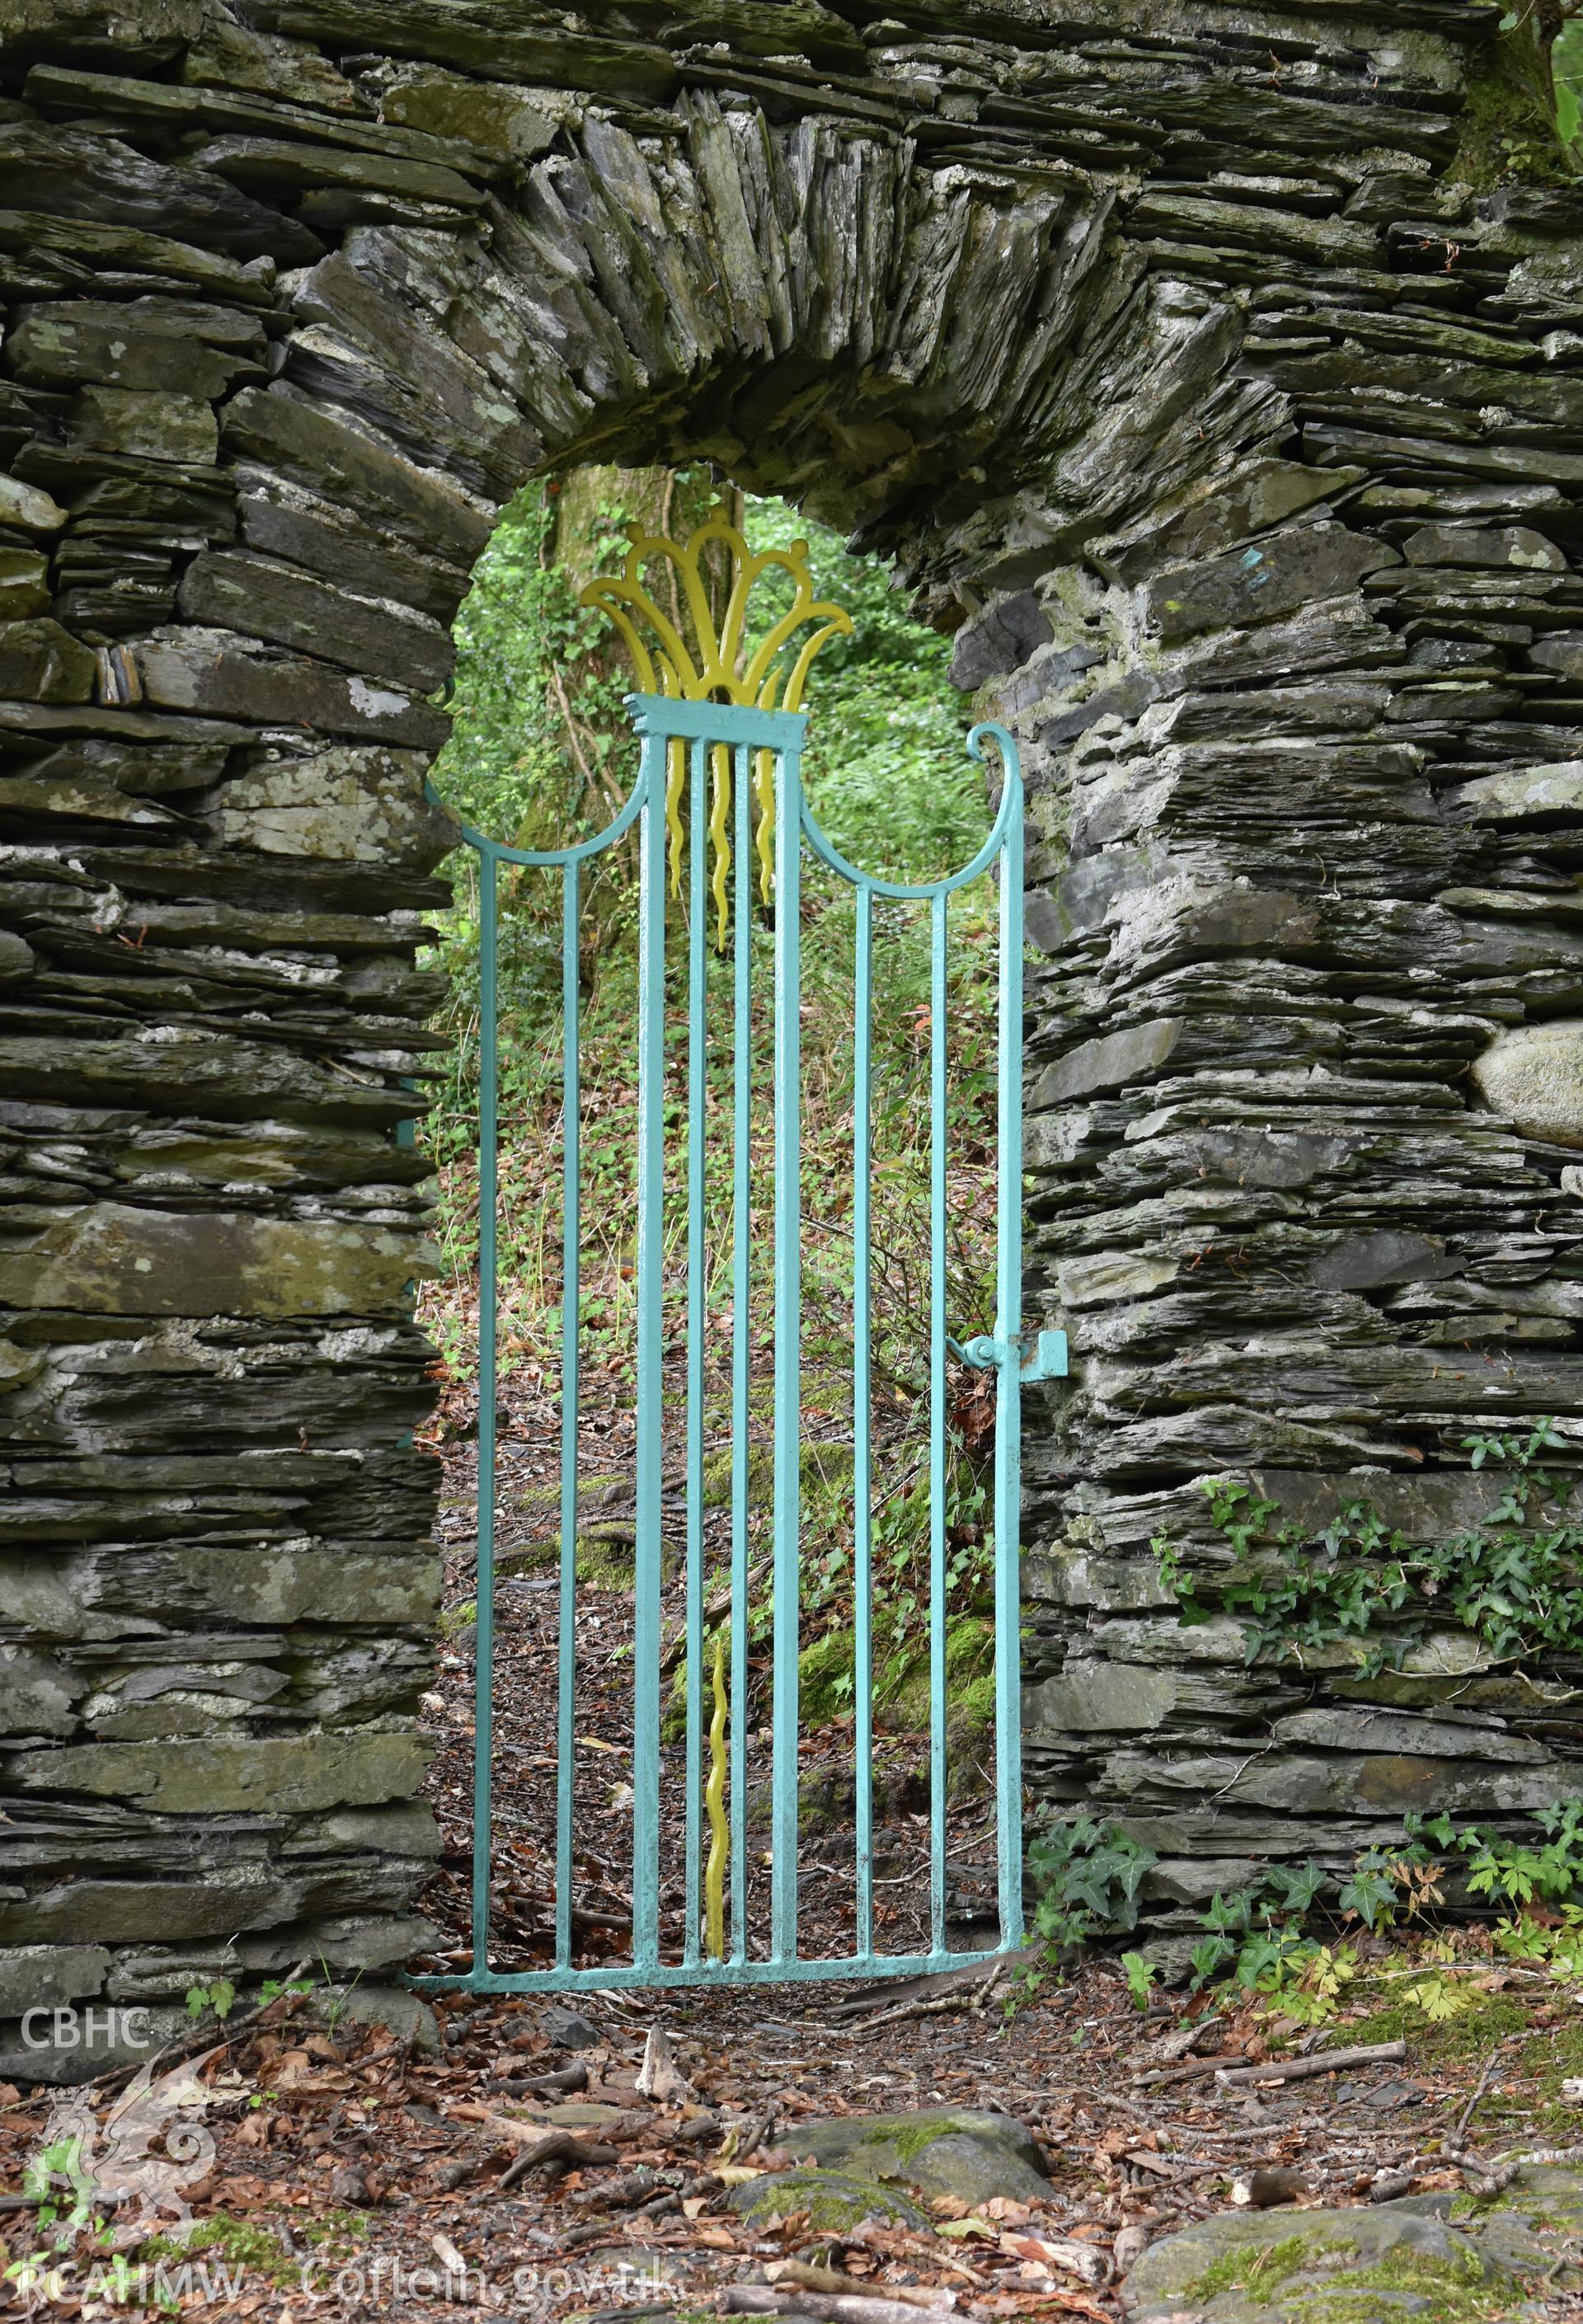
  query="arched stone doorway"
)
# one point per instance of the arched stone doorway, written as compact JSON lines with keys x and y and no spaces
{"x":1175,"y":364}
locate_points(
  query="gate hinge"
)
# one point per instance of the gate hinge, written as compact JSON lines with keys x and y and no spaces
{"x":1048,"y":1360}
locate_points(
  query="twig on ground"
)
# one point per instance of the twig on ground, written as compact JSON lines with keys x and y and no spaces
{"x":803,"y":2277}
{"x":1173,"y":2169}
{"x":1469,"y":2111}
{"x":936,"y":1981}
{"x":545,"y":2146}
{"x":837,"y":2307}
{"x":1199,"y":2070}
{"x":1490,"y":2178}
{"x":967,"y":1998}
{"x":1299,"y":2069}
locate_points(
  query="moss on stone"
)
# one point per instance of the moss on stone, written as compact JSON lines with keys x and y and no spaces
{"x":824,"y":1471}
{"x":963,"y":2151}
{"x":1360,"y":2265}
{"x":1254,"y":2271}
{"x":825,"y":1673}
{"x":1302,"y":2281}
{"x":333,"y":2233}
{"x":911,"y":2138}
{"x":835,"y":2203}
{"x":606,"y":1559}
{"x":1505,"y":133}
{"x":1456,"y":2291}
{"x":242,"y":2242}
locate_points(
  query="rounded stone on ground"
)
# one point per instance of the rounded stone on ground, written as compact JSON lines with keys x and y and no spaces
{"x":960,"y":2150}
{"x":403,"y":2016}
{"x":837,"y":2200}
{"x":1409,"y":2257}
{"x":566,"y":2029}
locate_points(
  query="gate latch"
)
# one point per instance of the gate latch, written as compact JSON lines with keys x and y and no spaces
{"x":1048,"y":1360}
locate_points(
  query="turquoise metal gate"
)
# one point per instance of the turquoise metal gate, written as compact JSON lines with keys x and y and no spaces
{"x":706,"y":765}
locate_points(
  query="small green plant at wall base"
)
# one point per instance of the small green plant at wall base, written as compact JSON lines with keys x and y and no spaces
{"x":1405,"y":1882}
{"x":1440,"y":1998}
{"x":1517,"y":1875}
{"x":1293,"y":1976}
{"x":1515,"y":1580}
{"x":58,"y":2222}
{"x":220,"y":1997}
{"x":1142,"y":1975}
{"x":1506,"y":1871}
{"x":1389,"y":1882}
{"x":1088,"y":1877}
{"x":1560,"y":1948}
{"x":272,"y":1989}
{"x":1255,"y":1946}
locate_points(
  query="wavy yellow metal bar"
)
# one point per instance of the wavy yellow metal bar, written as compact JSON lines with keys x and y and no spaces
{"x":716,"y":666}
{"x":675,"y":783}
{"x":764,"y":791}
{"x":719,"y":833}
{"x":714,"y":1799}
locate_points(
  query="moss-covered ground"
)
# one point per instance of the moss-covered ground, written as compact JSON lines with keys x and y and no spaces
{"x":1542,"y":2045}
{"x":1489,"y":2018}
{"x":255,"y":2247}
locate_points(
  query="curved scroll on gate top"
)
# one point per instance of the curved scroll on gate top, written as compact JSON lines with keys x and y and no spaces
{"x":723,"y":663}
{"x":1007,"y":814}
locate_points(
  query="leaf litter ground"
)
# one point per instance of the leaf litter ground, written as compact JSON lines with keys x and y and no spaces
{"x":366,"y":2179}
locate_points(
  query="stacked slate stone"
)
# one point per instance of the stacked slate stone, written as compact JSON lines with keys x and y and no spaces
{"x":1307,"y":1055}
{"x":1162,"y":341}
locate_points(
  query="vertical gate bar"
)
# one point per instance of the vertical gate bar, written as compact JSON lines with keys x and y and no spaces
{"x":489,"y":1283}
{"x":936,"y":1423}
{"x":697,"y":1005}
{"x":650,"y":1385}
{"x":1008,"y":1403}
{"x":783,"y":1765}
{"x":741,"y":1339}
{"x":571,"y":1314}
{"x":863,"y":1413}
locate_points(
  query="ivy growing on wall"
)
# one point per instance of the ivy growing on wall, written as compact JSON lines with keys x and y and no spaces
{"x":1515,"y":1580}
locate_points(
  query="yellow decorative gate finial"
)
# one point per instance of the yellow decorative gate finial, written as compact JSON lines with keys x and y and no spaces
{"x":716,"y":665}
{"x":721,"y":662}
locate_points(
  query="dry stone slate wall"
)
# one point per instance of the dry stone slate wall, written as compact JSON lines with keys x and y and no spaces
{"x":1243,"y":441}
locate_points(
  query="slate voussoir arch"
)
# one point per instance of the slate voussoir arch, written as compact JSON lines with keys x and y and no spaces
{"x":812,"y":306}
